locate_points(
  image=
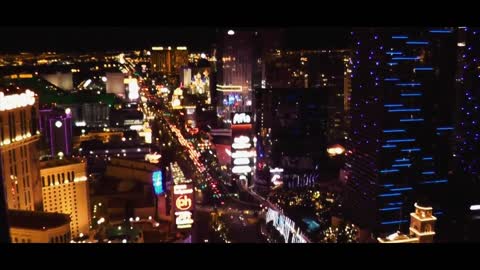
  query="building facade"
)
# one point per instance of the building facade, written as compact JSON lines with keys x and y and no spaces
{"x":115,"y":84}
{"x":422,"y":228}
{"x":56,"y":128}
{"x":65,"y":190}
{"x":19,"y":136}
{"x":324,"y":70}
{"x":135,"y":170}
{"x":61,"y":80}
{"x":467,"y":129}
{"x":399,"y":147}
{"x":39,"y":227}
{"x":291,"y":131}
{"x":169,"y":59}
{"x":235,"y":56}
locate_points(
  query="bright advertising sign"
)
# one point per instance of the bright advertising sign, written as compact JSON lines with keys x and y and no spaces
{"x":241,"y":118}
{"x":243,"y":148}
{"x":157,"y":182}
{"x":183,"y":205}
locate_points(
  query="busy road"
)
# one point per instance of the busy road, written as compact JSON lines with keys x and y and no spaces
{"x":240,"y":218}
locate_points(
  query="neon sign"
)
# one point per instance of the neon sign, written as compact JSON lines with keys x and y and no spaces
{"x":241,"y":118}
{"x":241,"y":169}
{"x":157,"y":182}
{"x":183,"y":205}
{"x":184,"y":220}
{"x":17,"y":100}
{"x":153,"y":158}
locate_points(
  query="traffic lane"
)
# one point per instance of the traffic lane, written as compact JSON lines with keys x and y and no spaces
{"x":201,"y":227}
{"x":244,"y":230}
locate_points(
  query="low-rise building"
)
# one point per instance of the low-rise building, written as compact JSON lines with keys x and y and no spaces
{"x":39,"y":227}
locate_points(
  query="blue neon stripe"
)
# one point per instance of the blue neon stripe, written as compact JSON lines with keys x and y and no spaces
{"x":427,"y":158}
{"x":393,"y":53}
{"x":390,"y":209}
{"x":392,"y":105}
{"x":412,"y":120}
{"x":389,"y":194}
{"x":418,"y":42}
{"x":411,"y":95}
{"x":438,"y":213}
{"x":423,"y":68}
{"x":445,"y":128}
{"x":405,"y":58}
{"x":393,"y":130}
{"x":402,"y":165}
{"x":395,"y":203}
{"x":401,"y":140}
{"x":404,"y":110}
{"x":427,"y":173}
{"x":410,"y":150}
{"x":389,"y":171}
{"x":434,"y":181}
{"x":392,"y":63}
{"x":440,"y":31}
{"x":389,"y":146}
{"x":408,"y":84}
{"x":401,"y":189}
{"x":391,"y":79}
{"x":399,"y":37}
{"x":388,"y":185}
{"x":394,"y":222}
{"x":402,"y":160}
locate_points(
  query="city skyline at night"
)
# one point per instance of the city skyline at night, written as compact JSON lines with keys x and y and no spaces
{"x":239,"y":134}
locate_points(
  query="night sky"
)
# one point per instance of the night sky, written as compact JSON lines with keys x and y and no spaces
{"x":72,"y":39}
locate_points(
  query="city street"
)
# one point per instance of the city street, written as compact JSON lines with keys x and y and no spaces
{"x":238,"y":216}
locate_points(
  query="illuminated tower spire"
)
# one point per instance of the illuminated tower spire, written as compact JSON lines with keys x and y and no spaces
{"x":422,"y":224}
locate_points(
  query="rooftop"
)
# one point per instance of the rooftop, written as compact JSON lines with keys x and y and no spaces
{"x":58,"y":162}
{"x":36,"y":220}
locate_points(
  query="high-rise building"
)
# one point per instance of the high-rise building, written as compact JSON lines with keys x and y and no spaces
{"x":467,"y":127}
{"x":399,"y":147}
{"x":291,"y":130}
{"x":19,"y":136}
{"x":186,"y":76}
{"x":65,"y":190}
{"x":320,"y":69}
{"x":4,"y":227}
{"x":94,"y":115}
{"x":347,"y":93}
{"x":115,"y":84}
{"x":169,"y":60}
{"x":240,"y":55}
{"x":236,"y":52}
{"x":56,"y":129}
{"x":234,"y":79}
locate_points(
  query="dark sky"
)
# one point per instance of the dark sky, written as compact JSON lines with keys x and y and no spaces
{"x":37,"y":39}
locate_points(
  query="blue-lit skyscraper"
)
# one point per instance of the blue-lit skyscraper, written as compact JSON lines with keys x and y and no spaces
{"x":468,"y":100}
{"x":399,"y":149}
{"x":467,"y":130}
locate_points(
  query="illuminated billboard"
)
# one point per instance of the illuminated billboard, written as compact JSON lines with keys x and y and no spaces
{"x":183,"y":205}
{"x":241,"y":118}
{"x":243,"y":148}
{"x":157,"y":182}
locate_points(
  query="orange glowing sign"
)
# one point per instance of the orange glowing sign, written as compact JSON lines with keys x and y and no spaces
{"x":183,"y":203}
